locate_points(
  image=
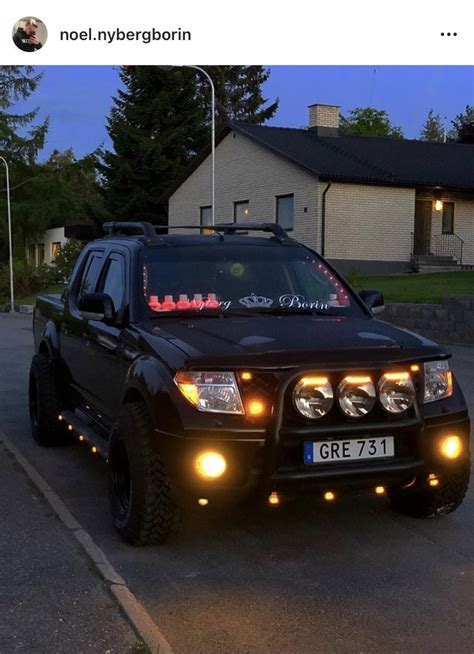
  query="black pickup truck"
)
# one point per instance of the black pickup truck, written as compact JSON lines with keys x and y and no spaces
{"x":212,"y":367}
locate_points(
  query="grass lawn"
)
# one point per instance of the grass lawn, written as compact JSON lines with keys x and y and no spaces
{"x":428,"y":288}
{"x":31,"y":299}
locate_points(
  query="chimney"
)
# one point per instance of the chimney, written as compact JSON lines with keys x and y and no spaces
{"x":324,"y":119}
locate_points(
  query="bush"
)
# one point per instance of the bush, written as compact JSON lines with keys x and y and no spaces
{"x":65,"y":260}
{"x":26,"y":279}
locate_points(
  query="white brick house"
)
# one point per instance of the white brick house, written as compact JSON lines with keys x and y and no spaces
{"x":365,"y":202}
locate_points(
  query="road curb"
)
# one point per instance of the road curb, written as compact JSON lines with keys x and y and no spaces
{"x":136,"y":613}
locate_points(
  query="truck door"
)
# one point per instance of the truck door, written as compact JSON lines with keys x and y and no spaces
{"x":104,"y":367}
{"x":74,"y":325}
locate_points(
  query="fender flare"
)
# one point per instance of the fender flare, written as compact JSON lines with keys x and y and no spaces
{"x":149,"y":380}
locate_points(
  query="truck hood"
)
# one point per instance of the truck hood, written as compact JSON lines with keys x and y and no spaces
{"x":284,"y":341}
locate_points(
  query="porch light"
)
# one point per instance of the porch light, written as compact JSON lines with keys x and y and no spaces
{"x":438,"y":205}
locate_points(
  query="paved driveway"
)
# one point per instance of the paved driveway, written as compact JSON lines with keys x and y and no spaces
{"x":348,"y":577}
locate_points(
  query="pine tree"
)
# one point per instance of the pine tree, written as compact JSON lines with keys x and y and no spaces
{"x":157,"y":125}
{"x":239,"y":94}
{"x":433,"y":129}
{"x":463,"y":126}
{"x":20,"y":140}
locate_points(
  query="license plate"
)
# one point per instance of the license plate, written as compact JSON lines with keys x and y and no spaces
{"x":348,"y":450}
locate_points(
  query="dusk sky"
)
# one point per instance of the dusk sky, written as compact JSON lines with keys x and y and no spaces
{"x":78,"y":99}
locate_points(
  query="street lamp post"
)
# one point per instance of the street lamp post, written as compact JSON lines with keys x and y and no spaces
{"x":213,"y":141}
{"x":213,"y":135}
{"x":10,"y":243}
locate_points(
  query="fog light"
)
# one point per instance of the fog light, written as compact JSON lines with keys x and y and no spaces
{"x":379,"y":490}
{"x":451,"y":446}
{"x":210,"y":465}
{"x":329,"y":496}
{"x":203,"y":502}
{"x":274,"y":499}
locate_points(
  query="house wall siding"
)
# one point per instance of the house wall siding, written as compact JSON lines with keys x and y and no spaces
{"x":246,"y":171}
{"x":369,"y":222}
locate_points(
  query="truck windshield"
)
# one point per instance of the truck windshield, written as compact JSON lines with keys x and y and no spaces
{"x":225,"y":279}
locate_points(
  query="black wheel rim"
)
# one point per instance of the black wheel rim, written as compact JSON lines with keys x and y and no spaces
{"x":121,"y":477}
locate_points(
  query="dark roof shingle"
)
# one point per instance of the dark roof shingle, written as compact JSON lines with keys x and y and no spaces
{"x":370,"y":159}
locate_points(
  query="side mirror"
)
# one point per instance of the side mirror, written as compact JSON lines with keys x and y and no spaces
{"x":373,"y":299}
{"x":97,"y":306}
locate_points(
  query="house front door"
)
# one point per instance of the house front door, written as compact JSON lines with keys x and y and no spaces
{"x":422,"y":234}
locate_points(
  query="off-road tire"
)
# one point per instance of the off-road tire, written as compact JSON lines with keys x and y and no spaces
{"x":430,"y":502}
{"x":146,"y":512}
{"x":45,"y":403}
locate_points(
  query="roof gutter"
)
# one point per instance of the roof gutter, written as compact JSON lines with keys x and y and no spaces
{"x":323,"y":219}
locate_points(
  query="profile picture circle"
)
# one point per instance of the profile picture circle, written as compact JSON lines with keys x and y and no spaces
{"x":29,"y":34}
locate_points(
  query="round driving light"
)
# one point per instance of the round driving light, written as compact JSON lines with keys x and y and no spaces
{"x":356,"y":396}
{"x":210,"y":465}
{"x":451,"y":447}
{"x":396,"y":392}
{"x":313,"y":397}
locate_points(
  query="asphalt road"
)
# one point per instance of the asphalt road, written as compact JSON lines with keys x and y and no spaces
{"x":346,"y":577}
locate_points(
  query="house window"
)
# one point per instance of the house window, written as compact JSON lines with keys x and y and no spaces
{"x":55,"y":249}
{"x":285,"y":211}
{"x":448,"y":218}
{"x":205,"y":217}
{"x":241,"y":211}
{"x":39,"y":254}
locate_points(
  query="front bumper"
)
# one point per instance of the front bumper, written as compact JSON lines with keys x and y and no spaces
{"x":265,"y":462}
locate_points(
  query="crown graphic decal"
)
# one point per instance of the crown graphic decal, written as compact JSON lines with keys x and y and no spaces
{"x":256,"y":301}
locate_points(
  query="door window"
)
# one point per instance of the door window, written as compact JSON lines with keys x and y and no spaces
{"x":91,"y":273}
{"x":114,"y":281}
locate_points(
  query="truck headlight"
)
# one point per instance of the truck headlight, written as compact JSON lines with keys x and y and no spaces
{"x":438,"y":381}
{"x":396,"y":392}
{"x":215,"y":392}
{"x":313,"y":396}
{"x":356,"y":395}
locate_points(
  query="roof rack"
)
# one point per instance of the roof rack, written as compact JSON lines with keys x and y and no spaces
{"x":150,"y":231}
{"x":231,"y":228}
{"x":130,"y":228}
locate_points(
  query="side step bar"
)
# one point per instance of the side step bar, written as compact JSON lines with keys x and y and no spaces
{"x":85,"y":433}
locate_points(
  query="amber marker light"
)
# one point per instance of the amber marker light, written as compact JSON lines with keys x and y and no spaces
{"x":397,"y":376}
{"x":415,"y":368}
{"x":246,"y":376}
{"x":329,"y":496}
{"x":273,"y":499}
{"x":210,"y":465}
{"x":380,"y":490}
{"x":255,"y":408}
{"x":190,"y":392}
{"x":449,"y":375}
{"x":314,"y":381}
{"x":432,"y":480}
{"x":354,"y":379}
{"x":451,"y":446}
{"x":202,"y":501}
